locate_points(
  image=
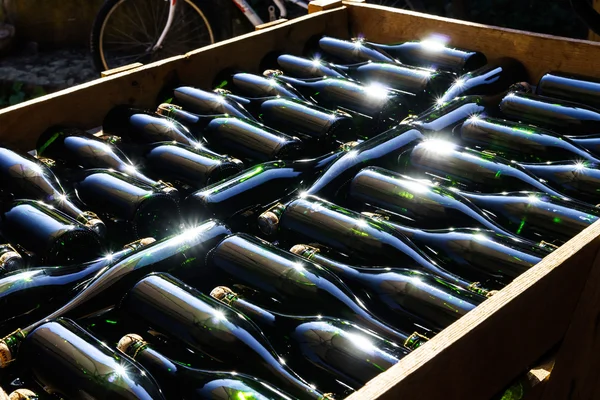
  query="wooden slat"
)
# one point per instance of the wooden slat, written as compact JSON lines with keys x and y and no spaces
{"x":322,"y":5}
{"x":118,"y":70}
{"x":577,"y":371}
{"x":538,"y":52}
{"x":85,"y":105}
{"x":270,"y":24}
{"x":592,"y":35}
{"x":479,"y":354}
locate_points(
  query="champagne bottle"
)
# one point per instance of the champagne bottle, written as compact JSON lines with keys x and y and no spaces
{"x":381,"y":150}
{"x":46,"y":235}
{"x":131,"y":209}
{"x":589,"y":142}
{"x":10,"y":259}
{"x":382,"y":106}
{"x":490,"y":79}
{"x":299,"y":286}
{"x":183,"y":254}
{"x":317,"y":126}
{"x":353,"y":52}
{"x":143,"y":127}
{"x":69,"y":362}
{"x":34,"y":293}
{"x":177,"y":380}
{"x":578,"y":179}
{"x":446,"y":116}
{"x":478,"y":255}
{"x":26,"y":177}
{"x":77,"y":148}
{"x":433,"y":54}
{"x":561,"y":116}
{"x":252,"y":140}
{"x":209,"y":327}
{"x":468,"y":169}
{"x":571,"y":87}
{"x":339,"y":349}
{"x":402,"y":295}
{"x":536,"y":216}
{"x":425,"y":84}
{"x":252,"y":85}
{"x":241,"y":197}
{"x":521,"y":142}
{"x":208,"y":103}
{"x":188,"y":168}
{"x":364,"y":239}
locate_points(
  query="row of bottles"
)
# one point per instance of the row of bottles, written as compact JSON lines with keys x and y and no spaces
{"x":286,"y":235}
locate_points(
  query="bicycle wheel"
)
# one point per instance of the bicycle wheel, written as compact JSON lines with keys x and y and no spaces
{"x":125,"y":31}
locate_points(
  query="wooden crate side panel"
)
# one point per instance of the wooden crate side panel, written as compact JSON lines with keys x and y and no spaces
{"x":478,"y":355}
{"x":85,"y":105}
{"x":540,"y":53}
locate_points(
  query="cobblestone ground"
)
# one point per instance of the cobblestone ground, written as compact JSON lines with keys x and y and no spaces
{"x":50,"y":69}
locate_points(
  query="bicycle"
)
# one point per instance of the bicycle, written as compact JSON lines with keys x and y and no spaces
{"x":130,"y":31}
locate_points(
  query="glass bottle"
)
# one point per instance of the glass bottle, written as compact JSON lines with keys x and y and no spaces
{"x":571,"y":87}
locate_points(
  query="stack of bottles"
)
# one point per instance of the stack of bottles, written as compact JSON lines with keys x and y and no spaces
{"x":289,"y":234}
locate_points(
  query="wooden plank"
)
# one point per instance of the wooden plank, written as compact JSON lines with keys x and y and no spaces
{"x":85,"y":105}
{"x":591,"y":34}
{"x":479,"y":354}
{"x":270,"y":24}
{"x":322,"y":5}
{"x":540,"y":53}
{"x":577,"y":371}
{"x":118,"y":70}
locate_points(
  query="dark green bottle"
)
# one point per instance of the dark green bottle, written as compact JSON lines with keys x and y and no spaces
{"x":490,"y":79}
{"x":177,"y":380}
{"x":202,"y":102}
{"x":571,"y":87}
{"x":578,"y":179}
{"x":353,"y":51}
{"x":131,"y":209}
{"x":408,"y":298}
{"x":536,"y":216}
{"x":366,"y":240}
{"x":433,"y":54}
{"x":561,"y":116}
{"x":34,"y":293}
{"x":25,"y":177}
{"x":252,"y":85}
{"x":324,"y":350}
{"x":183,"y":254}
{"x":10,"y":259}
{"x":188,"y":168}
{"x":383,"y":108}
{"x":76,"y":148}
{"x":239,"y":199}
{"x":427,"y":85}
{"x":46,"y":235}
{"x":68,"y":361}
{"x":207,"y":326}
{"x":140,"y":126}
{"x":297,"y":286}
{"x":468,"y":169}
{"x":589,"y":142}
{"x":521,"y":142}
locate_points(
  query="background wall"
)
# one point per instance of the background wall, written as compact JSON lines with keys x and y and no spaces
{"x":53,"y":22}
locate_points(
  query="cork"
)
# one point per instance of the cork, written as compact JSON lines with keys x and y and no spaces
{"x":22,"y":394}
{"x":129,"y":340}
{"x":5,"y":355}
{"x":268,"y":222}
{"x":222,"y":293}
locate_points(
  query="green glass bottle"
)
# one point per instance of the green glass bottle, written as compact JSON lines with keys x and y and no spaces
{"x":71,"y":363}
{"x":571,"y":87}
{"x":410,"y":299}
{"x":177,"y":380}
{"x":10,"y":259}
{"x":353,"y":51}
{"x":207,"y":326}
{"x":521,"y":142}
{"x":322,"y":349}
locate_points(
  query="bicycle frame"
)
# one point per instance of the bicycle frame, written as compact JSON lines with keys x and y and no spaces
{"x":163,"y":35}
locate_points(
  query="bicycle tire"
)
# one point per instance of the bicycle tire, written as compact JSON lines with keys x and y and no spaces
{"x":207,"y":13}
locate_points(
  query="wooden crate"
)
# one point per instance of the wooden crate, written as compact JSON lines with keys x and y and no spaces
{"x":556,"y":304}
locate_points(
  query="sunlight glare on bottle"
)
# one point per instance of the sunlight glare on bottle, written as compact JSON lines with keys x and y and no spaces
{"x":438,"y":146}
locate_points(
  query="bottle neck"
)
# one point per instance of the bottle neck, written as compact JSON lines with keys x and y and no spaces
{"x":156,"y":363}
{"x":312,"y":253}
{"x":256,"y":313}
